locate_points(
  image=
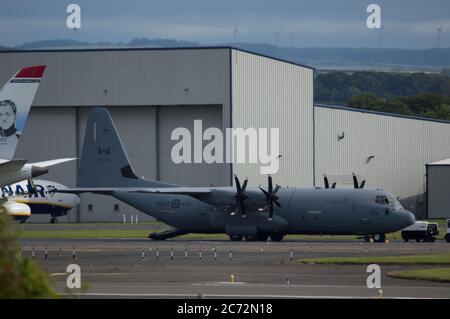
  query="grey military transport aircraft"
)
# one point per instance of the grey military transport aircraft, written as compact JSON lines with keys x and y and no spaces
{"x":253,"y":213}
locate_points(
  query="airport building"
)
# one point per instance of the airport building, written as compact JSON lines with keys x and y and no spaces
{"x":438,"y":199}
{"x":151,"y":92}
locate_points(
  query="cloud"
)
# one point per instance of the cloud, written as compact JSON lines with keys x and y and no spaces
{"x":311,"y":23}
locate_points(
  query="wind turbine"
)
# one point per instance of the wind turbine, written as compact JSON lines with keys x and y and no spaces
{"x":439,"y":31}
{"x":236,"y":33}
{"x":277,"y":36}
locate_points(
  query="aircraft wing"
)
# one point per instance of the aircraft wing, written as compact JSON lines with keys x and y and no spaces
{"x":52,"y":162}
{"x":12,"y":165}
{"x":145,"y":190}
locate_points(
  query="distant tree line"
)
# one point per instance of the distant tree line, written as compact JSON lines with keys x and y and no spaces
{"x":418,"y":94}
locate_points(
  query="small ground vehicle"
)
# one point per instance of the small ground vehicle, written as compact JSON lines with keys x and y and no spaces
{"x":447,"y":236}
{"x":421,"y":231}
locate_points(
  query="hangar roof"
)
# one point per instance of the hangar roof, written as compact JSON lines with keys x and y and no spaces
{"x":156,"y":49}
{"x":440,"y":163}
{"x":352,"y":109}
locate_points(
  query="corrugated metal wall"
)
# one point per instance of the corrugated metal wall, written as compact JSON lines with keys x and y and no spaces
{"x":401,"y":147}
{"x":126,"y":77}
{"x":195,"y":174}
{"x":50,"y":127}
{"x":271,"y":94}
{"x":438,"y":191}
{"x":137,"y":86}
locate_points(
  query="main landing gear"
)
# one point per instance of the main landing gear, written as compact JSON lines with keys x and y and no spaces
{"x":258,"y":237}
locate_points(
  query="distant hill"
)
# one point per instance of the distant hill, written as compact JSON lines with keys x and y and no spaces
{"x":161,"y":43}
{"x":335,"y":57}
{"x":72,"y":44}
{"x":384,"y":59}
{"x":58,"y":44}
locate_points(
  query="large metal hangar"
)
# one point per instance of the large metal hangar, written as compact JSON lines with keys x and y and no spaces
{"x":389,"y":151}
{"x":150,"y":92}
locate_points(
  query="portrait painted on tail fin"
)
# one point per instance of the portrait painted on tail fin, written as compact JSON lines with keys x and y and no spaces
{"x":9,"y":133}
{"x":16,"y":98}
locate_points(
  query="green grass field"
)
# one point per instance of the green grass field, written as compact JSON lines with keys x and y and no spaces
{"x":131,"y":233}
{"x":142,"y":230}
{"x":433,"y":274}
{"x":429,"y":259}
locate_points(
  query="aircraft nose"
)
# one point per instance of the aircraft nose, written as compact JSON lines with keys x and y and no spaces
{"x":409,"y":218}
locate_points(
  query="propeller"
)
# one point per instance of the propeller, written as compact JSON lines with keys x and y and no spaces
{"x":271,"y":196}
{"x":240,"y":196}
{"x":325,"y":181}
{"x":327,"y":184}
{"x":355,"y":182}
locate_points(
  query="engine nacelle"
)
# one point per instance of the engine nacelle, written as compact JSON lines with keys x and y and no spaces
{"x":16,"y":210}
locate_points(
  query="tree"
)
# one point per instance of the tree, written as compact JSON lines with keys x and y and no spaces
{"x":19,"y":276}
{"x":364,"y":101}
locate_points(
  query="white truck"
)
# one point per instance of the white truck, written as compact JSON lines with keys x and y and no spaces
{"x":447,"y":235}
{"x":421,"y":231}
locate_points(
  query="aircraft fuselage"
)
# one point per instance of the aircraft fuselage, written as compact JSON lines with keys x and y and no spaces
{"x":303,"y":211}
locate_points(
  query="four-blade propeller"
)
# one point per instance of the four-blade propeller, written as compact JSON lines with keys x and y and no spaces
{"x":326,"y":183}
{"x":355,"y":182}
{"x":271,"y":196}
{"x":240,"y":196}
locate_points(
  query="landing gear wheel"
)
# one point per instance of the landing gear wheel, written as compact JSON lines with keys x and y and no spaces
{"x":447,"y":238}
{"x":379,"y":238}
{"x":53,"y":220}
{"x":250,"y":237}
{"x":235,"y":237}
{"x":262,"y":236}
{"x":276,"y":237}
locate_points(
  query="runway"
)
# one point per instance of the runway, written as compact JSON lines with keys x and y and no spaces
{"x":141,"y":268}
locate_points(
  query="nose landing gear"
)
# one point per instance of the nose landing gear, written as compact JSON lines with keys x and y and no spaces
{"x":377,"y":238}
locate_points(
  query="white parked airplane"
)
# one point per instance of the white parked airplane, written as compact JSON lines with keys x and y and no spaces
{"x":16,"y":98}
{"x":23,"y":200}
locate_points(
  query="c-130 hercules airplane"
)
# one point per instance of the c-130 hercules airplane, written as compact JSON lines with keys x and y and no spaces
{"x":275,"y":211}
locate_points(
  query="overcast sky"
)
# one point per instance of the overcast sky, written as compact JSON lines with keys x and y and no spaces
{"x":299,"y":23}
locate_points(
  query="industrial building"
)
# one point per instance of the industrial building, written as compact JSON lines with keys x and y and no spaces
{"x":150,"y":92}
{"x":438,"y":195}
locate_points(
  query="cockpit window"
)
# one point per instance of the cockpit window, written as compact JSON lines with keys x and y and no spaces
{"x":394,"y":203}
{"x":388,"y":200}
{"x":382,"y":200}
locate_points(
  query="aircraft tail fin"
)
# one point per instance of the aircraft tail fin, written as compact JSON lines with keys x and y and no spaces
{"x":16,"y":98}
{"x":104,"y":162}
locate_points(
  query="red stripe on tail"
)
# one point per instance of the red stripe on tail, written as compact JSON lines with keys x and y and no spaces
{"x":31,"y":72}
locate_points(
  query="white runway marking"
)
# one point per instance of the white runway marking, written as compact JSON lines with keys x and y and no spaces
{"x":135,"y":295}
{"x":308,"y":286}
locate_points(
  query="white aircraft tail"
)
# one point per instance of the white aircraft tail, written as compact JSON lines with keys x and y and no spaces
{"x":16,"y":98}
